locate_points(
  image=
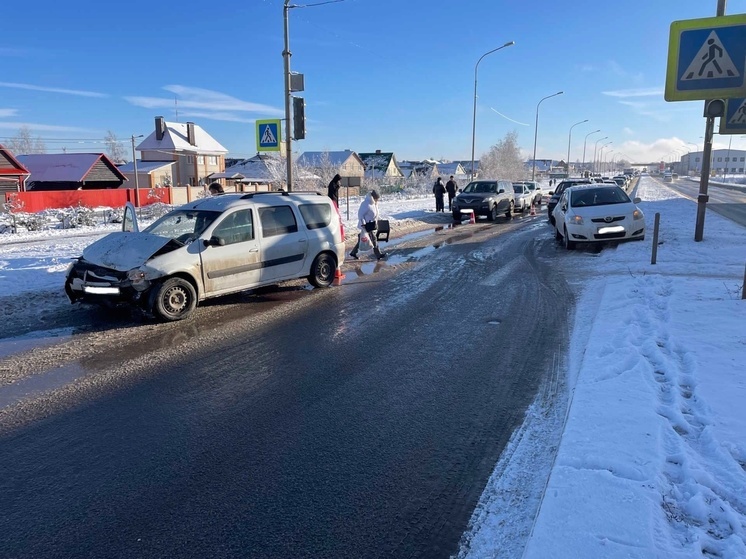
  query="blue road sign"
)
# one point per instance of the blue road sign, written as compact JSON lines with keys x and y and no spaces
{"x":734,"y":121}
{"x":707,"y":59}
{"x":268,"y":135}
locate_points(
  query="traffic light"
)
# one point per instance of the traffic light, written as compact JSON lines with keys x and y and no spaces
{"x":299,"y":118}
{"x":714,"y":108}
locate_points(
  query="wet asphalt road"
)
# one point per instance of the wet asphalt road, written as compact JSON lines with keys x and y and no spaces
{"x":358,"y":421}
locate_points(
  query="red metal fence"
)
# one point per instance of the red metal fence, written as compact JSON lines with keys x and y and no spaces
{"x":33,"y":202}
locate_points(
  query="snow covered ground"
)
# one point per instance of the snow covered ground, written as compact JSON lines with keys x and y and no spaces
{"x":652,"y":460}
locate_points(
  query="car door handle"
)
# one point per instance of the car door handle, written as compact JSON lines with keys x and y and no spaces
{"x":302,"y":240}
{"x":255,"y":249}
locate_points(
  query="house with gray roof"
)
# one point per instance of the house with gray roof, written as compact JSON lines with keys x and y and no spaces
{"x":379,"y":165}
{"x":71,"y":171}
{"x":322,"y":163}
{"x":196,"y":153}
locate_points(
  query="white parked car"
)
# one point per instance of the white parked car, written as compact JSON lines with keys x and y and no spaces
{"x":597,"y":212}
{"x":211,"y":247}
{"x":523,"y":196}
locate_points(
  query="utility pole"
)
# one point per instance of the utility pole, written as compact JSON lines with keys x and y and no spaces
{"x":286,"y":54}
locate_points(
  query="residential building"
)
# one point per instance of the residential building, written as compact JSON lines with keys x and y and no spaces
{"x":71,"y":171}
{"x":150,"y":174}
{"x":196,"y":153}
{"x":379,"y":165}
{"x":346,"y":163}
{"x":13,"y":174}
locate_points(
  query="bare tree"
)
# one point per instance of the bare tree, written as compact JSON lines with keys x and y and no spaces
{"x":24,"y":143}
{"x":114,"y":148}
{"x":503,"y":160}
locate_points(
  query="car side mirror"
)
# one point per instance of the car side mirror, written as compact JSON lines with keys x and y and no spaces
{"x":215,"y":242}
{"x":637,"y":200}
{"x":501,"y":191}
{"x":551,"y":192}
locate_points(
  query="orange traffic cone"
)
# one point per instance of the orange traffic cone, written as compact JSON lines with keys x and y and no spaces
{"x":472,"y":218}
{"x":533,"y":210}
{"x":338,"y":276}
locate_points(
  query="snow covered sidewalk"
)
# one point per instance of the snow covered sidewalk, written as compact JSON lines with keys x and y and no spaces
{"x":652,"y":462}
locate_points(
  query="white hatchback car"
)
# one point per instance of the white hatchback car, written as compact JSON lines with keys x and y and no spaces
{"x":597,"y":212}
{"x":211,"y":247}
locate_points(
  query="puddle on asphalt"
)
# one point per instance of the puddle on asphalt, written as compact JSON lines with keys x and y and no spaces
{"x":31,"y":387}
{"x":33,"y":340}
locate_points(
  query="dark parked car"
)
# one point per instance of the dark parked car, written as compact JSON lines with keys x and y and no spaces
{"x":558,"y":190}
{"x":486,"y":197}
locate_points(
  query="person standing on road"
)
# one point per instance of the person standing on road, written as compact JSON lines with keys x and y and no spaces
{"x":439,"y":190}
{"x":367,"y":216}
{"x":216,"y":189}
{"x":451,"y":189}
{"x":333,"y":189}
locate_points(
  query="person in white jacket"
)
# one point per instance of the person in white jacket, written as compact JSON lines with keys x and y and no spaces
{"x":366,"y":214}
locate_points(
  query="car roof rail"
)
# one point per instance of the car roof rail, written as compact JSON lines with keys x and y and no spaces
{"x":279,"y":193}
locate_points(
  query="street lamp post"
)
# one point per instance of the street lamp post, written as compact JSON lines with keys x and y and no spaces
{"x":595,"y":147}
{"x":582,"y":165}
{"x":569,"y":137}
{"x":134,"y":160}
{"x":536,"y":132}
{"x":474,"y":114}
{"x":600,"y":153}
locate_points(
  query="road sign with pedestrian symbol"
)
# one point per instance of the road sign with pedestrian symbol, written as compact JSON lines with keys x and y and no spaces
{"x":268,"y":135}
{"x":734,"y":120}
{"x":707,"y":59}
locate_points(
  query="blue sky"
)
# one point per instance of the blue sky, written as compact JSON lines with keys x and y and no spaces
{"x":395,"y":75}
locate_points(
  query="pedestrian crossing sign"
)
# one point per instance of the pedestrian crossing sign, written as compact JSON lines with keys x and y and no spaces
{"x":734,"y":120}
{"x":268,"y":135}
{"x":707,"y":59}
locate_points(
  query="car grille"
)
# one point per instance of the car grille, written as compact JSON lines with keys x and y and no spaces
{"x":83,"y":269}
{"x":604,"y":220}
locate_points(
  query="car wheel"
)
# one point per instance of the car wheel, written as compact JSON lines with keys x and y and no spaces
{"x":492,"y":214}
{"x":569,"y":245}
{"x":322,"y":271}
{"x":509,"y":213}
{"x":174,"y":299}
{"x":456,"y":216}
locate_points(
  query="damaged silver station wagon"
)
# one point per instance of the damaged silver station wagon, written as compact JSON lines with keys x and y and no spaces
{"x":208,"y":248}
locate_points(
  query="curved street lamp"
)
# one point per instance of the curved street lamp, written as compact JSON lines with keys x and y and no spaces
{"x":582,"y":165}
{"x":474,"y":115}
{"x":595,"y":147}
{"x":536,"y":131}
{"x":569,"y":136}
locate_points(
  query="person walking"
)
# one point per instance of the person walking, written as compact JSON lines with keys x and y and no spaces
{"x":333,"y":189}
{"x":367,"y":216}
{"x":439,"y":190}
{"x":451,"y":189}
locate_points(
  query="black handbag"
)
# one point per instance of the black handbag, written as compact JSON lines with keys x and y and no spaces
{"x":371,"y":226}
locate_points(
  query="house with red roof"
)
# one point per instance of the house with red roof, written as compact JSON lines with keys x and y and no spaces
{"x":13,"y":174}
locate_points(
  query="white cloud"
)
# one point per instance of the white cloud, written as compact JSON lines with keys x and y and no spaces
{"x":52,"y":89}
{"x":662,"y":149}
{"x":639,"y":92}
{"x":628,"y":131}
{"x":229,"y":117}
{"x":6,"y":113}
{"x":212,"y":104}
{"x":35,"y":128}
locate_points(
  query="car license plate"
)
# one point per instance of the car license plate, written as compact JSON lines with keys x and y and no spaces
{"x":96,"y":290}
{"x":611,"y":229}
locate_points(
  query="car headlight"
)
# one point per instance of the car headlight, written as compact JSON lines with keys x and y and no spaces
{"x":576,"y":220}
{"x":140,"y":278}
{"x":637,"y":214}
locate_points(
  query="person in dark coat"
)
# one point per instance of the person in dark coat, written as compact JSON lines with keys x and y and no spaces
{"x":439,"y":190}
{"x":451,"y":188}
{"x":333,"y":189}
{"x":216,"y":189}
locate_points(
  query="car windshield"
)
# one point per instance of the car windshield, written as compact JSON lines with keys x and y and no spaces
{"x":182,"y":224}
{"x":598,"y":197}
{"x":480,"y":187}
{"x":530,"y":185}
{"x":518,"y":188}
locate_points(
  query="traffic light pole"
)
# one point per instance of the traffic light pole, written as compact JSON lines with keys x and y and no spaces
{"x":288,"y":137}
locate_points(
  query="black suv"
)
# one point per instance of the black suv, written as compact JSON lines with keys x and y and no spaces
{"x":558,"y":190}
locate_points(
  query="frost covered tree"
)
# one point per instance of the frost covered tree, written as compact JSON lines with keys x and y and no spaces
{"x":24,"y":143}
{"x":114,"y":148}
{"x":503,"y":160}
